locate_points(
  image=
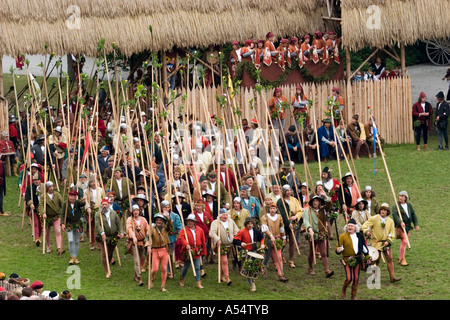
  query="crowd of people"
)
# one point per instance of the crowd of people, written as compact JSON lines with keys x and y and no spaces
{"x":182,"y":193}
{"x":182,"y":202}
{"x":18,"y":288}
{"x":321,"y":47}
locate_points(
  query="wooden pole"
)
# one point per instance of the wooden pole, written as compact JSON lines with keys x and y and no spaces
{"x":403,"y":58}
{"x":348,"y":64}
{"x":392,"y":188}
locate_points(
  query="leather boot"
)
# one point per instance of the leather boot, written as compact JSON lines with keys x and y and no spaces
{"x":198,"y":284}
{"x":390,"y":267}
{"x":354,"y":291}
{"x":181,"y":282}
{"x":15,"y":171}
{"x":425,"y":146}
{"x":344,"y":290}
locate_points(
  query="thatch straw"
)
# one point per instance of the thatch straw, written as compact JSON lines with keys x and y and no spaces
{"x":177,"y":23}
{"x":402,"y":22}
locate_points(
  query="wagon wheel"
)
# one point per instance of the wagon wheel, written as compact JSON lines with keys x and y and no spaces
{"x":438,"y":51}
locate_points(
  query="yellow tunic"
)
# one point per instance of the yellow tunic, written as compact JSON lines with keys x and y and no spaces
{"x":379,"y":234}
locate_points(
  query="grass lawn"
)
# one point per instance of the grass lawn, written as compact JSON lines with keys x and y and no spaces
{"x":422,"y":174}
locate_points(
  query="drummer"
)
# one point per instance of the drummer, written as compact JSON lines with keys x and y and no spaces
{"x":352,"y":246}
{"x":247,"y":238}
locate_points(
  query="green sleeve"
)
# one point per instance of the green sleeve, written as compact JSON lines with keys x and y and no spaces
{"x":395,"y":216}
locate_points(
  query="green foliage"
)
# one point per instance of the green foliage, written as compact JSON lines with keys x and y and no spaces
{"x":101,"y":44}
{"x":255,"y":74}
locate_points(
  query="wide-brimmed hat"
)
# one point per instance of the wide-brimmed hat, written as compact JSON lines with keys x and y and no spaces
{"x":440,"y":95}
{"x":191,"y":217}
{"x":248,"y":220}
{"x":237,"y":199}
{"x":304,"y":184}
{"x":165,"y":203}
{"x":35,"y":165}
{"x":159,"y":215}
{"x":285,"y":165}
{"x":210,"y":193}
{"x":179,"y":195}
{"x":385,"y":206}
{"x":403,"y":193}
{"x":348,"y":174}
{"x":360,"y":200}
{"x":322,"y":201}
{"x":141,"y":197}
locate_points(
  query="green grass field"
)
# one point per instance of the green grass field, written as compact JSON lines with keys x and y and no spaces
{"x":423,"y":174}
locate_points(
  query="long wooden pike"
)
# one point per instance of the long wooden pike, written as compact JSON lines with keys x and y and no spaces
{"x":336,"y":138}
{"x":393,"y":192}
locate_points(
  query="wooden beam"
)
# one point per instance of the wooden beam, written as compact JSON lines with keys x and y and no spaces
{"x":348,"y":64}
{"x":1,"y":75}
{"x":332,"y":18}
{"x":394,"y":57}
{"x":365,"y":61}
{"x":403,"y":58}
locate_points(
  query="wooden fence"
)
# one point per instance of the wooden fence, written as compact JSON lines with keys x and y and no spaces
{"x":390,"y":101}
{"x":4,"y":125}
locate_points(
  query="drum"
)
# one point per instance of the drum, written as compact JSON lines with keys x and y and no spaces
{"x":252,"y":265}
{"x":373,"y":253}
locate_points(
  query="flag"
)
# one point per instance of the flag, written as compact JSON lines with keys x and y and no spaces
{"x":86,"y":147}
{"x":374,"y":135}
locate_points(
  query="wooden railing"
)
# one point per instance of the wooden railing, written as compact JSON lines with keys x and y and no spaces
{"x":389,"y":100}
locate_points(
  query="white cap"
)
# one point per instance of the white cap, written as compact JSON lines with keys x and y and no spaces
{"x":135,"y":207}
{"x":237,"y":199}
{"x":404,"y":193}
{"x":165,"y":203}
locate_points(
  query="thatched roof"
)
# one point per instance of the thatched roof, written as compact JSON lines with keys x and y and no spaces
{"x":401,"y":22}
{"x":26,"y":25}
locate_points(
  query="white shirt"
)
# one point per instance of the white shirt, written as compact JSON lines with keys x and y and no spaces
{"x":201,"y":216}
{"x":223,"y":178}
{"x":355,"y":242}
{"x":405,"y":207}
{"x":193,"y":236}
{"x":94,"y":194}
{"x":251,"y":232}
{"x":50,"y":195}
{"x":119,"y":185}
{"x":108,"y":218}
{"x":369,"y":204}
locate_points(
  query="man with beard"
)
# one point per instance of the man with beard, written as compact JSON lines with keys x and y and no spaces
{"x":108,"y":227}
